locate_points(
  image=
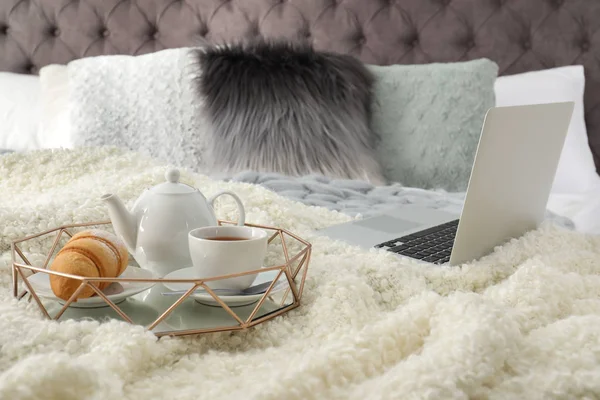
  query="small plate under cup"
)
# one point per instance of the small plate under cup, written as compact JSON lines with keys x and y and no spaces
{"x":232,"y":301}
{"x":116,"y":292}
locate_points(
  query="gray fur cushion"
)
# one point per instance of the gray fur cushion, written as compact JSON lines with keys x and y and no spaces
{"x":280,"y":107}
{"x":429,"y":119}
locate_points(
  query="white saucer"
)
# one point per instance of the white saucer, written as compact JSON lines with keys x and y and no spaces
{"x":116,"y":292}
{"x":232,"y":301}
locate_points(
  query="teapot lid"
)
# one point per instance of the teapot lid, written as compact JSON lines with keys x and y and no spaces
{"x":172,"y":184}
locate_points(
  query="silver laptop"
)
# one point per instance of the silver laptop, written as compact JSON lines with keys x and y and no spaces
{"x":510,"y":182}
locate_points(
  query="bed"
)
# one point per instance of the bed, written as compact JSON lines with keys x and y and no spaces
{"x":430,"y":32}
{"x":522,"y":322}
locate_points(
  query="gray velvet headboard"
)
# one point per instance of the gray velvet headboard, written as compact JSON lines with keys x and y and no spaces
{"x":520,"y":35}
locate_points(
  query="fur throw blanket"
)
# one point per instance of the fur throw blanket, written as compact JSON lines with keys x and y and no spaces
{"x":523,"y":322}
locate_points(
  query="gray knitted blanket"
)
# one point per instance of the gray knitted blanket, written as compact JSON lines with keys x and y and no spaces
{"x":359,"y":198}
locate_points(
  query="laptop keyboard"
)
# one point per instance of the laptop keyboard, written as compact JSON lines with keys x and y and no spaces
{"x":431,"y":245}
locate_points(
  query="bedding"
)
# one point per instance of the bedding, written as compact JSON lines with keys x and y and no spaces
{"x":582,"y":209}
{"x":276,"y":106}
{"x":360,"y":198}
{"x":576,"y":172}
{"x":423,"y":130}
{"x":19,"y":111}
{"x":429,"y":119}
{"x":522,"y":322}
{"x":55,"y":128}
{"x":145,"y":103}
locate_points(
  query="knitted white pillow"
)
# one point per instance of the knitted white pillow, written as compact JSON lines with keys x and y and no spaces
{"x":144,"y":103}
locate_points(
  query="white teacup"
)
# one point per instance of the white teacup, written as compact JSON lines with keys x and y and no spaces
{"x":224,"y":250}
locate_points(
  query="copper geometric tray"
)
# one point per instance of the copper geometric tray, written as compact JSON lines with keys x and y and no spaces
{"x":287,"y":260}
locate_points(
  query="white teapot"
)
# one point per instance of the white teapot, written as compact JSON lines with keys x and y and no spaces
{"x":156,"y":230}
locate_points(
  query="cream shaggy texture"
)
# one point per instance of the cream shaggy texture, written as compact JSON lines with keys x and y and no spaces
{"x":523,"y":322}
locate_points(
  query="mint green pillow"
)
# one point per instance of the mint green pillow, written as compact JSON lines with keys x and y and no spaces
{"x":429,"y":120}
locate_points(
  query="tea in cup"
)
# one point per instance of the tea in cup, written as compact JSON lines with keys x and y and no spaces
{"x":225,"y":250}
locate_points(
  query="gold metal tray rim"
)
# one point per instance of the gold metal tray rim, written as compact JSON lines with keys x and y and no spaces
{"x":291,"y":274}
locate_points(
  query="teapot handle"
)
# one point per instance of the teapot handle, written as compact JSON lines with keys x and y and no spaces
{"x":240,"y":206}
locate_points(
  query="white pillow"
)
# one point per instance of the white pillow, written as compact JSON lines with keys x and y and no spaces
{"x":145,"y":102}
{"x":576,"y":171}
{"x":55,"y":130}
{"x":19,"y":111}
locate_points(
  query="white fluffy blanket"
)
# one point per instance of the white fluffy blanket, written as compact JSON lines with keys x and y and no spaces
{"x":523,"y":322}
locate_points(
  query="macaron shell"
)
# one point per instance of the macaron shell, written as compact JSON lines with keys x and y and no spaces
{"x":113,"y":240}
{"x":100,"y":253}
{"x":72,"y":262}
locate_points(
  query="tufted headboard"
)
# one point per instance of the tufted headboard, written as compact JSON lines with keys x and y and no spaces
{"x":520,"y":35}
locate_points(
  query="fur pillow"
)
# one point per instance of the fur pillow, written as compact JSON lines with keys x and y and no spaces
{"x":287,"y":108}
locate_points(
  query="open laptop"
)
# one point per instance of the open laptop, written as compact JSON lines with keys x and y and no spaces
{"x":510,"y":183}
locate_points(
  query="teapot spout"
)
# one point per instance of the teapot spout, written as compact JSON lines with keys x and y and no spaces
{"x":122,"y":220}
